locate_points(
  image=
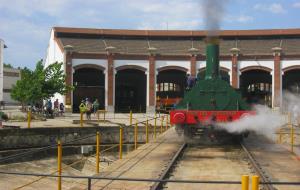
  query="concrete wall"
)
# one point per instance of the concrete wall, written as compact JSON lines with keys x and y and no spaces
{"x":39,"y":137}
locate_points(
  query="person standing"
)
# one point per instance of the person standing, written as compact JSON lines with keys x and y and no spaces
{"x":89,"y":107}
{"x":82,"y":107}
{"x":49,"y":108}
{"x":95,"y":106}
{"x":56,"y":104}
{"x":61,"y":108}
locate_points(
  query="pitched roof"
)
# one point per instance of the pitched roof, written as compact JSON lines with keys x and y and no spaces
{"x":177,"y":42}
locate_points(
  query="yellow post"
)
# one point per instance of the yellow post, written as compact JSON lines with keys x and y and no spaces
{"x":289,"y":119}
{"x":155,"y":126}
{"x":81,"y":119}
{"x":59,"y":154}
{"x":147,"y":132}
{"x":121,"y":143}
{"x":292,"y":138}
{"x":130,"y":118}
{"x":29,"y":118}
{"x":167,"y":124}
{"x":245,"y":182}
{"x":279,"y":136}
{"x":97,"y":152}
{"x":135,"y":135}
{"x":255,"y":182}
{"x":161,"y":124}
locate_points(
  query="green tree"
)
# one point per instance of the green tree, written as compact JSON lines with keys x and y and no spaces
{"x":40,"y":84}
{"x":7,"y":65}
{"x":21,"y":90}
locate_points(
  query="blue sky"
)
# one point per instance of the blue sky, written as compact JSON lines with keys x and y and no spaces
{"x":25,"y":24}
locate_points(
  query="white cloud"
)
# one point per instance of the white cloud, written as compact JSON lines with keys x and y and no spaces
{"x":296,"y":5}
{"x":275,"y":8}
{"x":244,"y":19}
{"x":239,"y":19}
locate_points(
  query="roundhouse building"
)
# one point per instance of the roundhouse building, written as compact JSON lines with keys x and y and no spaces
{"x":139,"y":69}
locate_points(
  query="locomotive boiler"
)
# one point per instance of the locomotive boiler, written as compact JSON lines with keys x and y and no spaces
{"x":209,"y":103}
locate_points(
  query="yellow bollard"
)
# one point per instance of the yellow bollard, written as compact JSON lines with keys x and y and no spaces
{"x":292,"y":138}
{"x":81,"y":119}
{"x":97,"y":152}
{"x":245,"y":182}
{"x":255,"y":182}
{"x":147,"y":132}
{"x":155,"y":126}
{"x":121,"y":143}
{"x":29,"y":118}
{"x":161,"y":124}
{"x":130,"y":118}
{"x":59,"y":154}
{"x":135,"y":135}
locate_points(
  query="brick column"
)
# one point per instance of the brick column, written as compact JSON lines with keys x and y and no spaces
{"x":277,"y":84}
{"x":151,"y":85}
{"x":69,"y":76}
{"x":193,"y":65}
{"x":234,"y":67}
{"x":110,"y":82}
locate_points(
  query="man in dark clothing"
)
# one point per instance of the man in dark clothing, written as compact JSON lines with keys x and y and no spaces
{"x":190,"y":81}
{"x":49,"y":108}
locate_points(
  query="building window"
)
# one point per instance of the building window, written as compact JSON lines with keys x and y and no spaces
{"x":167,"y":87}
{"x":262,"y":87}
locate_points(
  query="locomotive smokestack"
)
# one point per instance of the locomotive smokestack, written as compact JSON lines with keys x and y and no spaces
{"x":212,"y":58}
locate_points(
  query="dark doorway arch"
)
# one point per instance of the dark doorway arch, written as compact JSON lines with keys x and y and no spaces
{"x":290,"y":84}
{"x":131,"y":86}
{"x":256,"y":86}
{"x":170,"y":86}
{"x":224,"y":73}
{"x":89,"y":83}
{"x":291,"y":81}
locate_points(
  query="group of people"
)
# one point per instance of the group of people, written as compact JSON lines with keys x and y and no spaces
{"x":88,"y":107}
{"x":58,"y":108}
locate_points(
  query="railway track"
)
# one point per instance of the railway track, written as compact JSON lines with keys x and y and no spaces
{"x":258,"y":169}
{"x":204,"y":163}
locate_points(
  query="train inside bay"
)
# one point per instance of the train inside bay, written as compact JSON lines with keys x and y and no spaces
{"x":209,"y":103}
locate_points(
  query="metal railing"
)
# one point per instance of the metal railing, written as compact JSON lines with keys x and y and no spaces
{"x":90,"y":178}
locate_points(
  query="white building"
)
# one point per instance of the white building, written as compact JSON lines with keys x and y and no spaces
{"x":2,"y":46}
{"x":138,"y":69}
{"x":11,"y":76}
